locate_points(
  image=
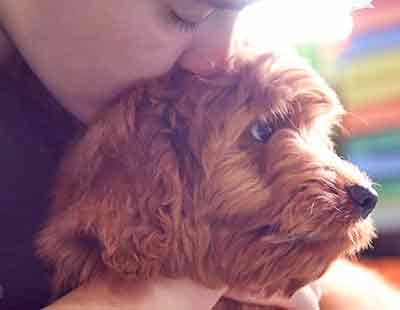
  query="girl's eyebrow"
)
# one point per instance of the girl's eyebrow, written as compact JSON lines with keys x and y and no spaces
{"x":235,"y":5}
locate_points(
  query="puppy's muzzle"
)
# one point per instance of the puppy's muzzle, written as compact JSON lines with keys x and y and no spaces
{"x":363,"y":199}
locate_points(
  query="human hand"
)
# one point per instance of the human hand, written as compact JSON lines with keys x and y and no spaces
{"x":306,"y":298}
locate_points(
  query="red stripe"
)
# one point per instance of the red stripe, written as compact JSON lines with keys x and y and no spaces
{"x":373,"y":118}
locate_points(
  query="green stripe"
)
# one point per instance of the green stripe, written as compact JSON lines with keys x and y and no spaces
{"x":378,"y":143}
{"x":389,"y":192}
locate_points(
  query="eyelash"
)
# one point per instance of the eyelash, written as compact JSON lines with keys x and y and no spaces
{"x":182,"y":24}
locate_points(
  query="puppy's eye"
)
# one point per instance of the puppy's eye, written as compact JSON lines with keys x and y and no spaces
{"x":267,"y":230}
{"x":261,"y":131}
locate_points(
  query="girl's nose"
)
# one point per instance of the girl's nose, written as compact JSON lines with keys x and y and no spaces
{"x":211,"y":44}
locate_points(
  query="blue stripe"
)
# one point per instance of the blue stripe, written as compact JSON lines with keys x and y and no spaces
{"x":370,"y":43}
{"x":379,"y":166}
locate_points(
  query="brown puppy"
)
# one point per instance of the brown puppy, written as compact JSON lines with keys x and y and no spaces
{"x":229,"y":180}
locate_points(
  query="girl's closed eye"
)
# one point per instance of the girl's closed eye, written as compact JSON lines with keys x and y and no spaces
{"x":181,"y":23}
{"x":186,"y":15}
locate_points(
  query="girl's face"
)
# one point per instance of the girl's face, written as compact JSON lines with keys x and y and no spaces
{"x":88,"y":52}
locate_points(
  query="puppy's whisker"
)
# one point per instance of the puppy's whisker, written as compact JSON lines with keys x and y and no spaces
{"x":311,"y":209}
{"x":337,"y":209}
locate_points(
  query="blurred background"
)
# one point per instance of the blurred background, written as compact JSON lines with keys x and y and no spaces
{"x":367,"y":76}
{"x":358,"y":52}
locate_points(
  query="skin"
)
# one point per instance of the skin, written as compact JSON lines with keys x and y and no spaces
{"x":88,"y":52}
{"x":112,"y":292}
{"x":160,"y":293}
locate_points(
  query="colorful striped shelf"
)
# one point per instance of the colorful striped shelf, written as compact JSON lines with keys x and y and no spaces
{"x":368,"y":81}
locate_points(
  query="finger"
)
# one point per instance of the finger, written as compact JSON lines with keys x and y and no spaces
{"x":246,"y":297}
{"x":306,"y":298}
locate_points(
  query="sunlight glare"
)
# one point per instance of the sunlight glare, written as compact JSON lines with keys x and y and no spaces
{"x":293,"y":22}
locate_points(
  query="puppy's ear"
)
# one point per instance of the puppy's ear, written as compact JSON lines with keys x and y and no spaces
{"x":117,"y":200}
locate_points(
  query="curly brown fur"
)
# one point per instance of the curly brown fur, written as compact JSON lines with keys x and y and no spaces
{"x":171,"y":181}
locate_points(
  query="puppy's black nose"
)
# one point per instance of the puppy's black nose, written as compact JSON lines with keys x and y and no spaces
{"x":365,"y":199}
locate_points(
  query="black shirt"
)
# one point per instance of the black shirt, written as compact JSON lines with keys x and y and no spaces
{"x":34,"y":131}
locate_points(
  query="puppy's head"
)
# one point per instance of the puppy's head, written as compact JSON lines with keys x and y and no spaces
{"x":230,"y":180}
